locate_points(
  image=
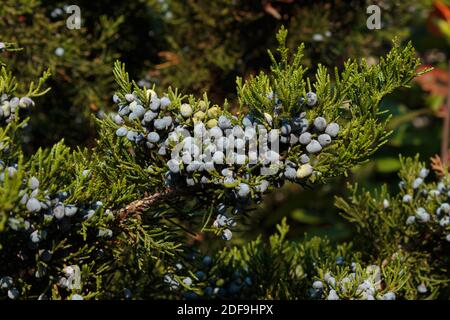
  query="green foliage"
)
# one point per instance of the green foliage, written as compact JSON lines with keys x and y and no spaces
{"x":305,"y":269}
{"x":412,"y":223}
{"x":390,"y":258}
{"x":116,"y":214}
{"x":351,"y":98}
{"x":78,"y":58}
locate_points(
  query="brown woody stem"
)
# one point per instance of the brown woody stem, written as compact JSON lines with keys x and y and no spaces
{"x":138,"y":206}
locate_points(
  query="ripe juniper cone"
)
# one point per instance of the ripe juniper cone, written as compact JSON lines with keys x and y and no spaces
{"x":196,"y":140}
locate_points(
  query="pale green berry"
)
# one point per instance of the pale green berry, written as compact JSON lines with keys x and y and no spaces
{"x":304,"y":171}
{"x":186,"y":110}
{"x":130,"y":97}
{"x":33,"y":183}
{"x":25,"y":102}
